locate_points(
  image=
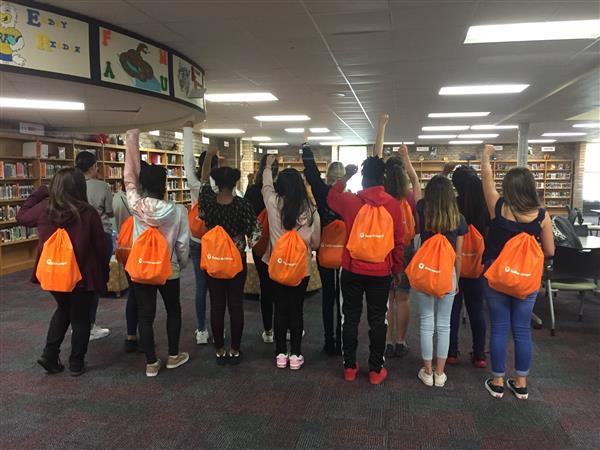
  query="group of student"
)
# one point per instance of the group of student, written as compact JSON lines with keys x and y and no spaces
{"x":391,"y":244}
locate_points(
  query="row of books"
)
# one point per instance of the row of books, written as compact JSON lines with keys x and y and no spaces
{"x":16,"y":170}
{"x":17,"y":233}
{"x":48,"y":170}
{"x":115,"y":156}
{"x":8,"y":212}
{"x":113,"y":172}
{"x":15,"y":191}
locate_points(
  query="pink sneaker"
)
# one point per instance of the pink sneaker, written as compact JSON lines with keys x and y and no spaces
{"x":282,"y":361}
{"x":296,"y":362}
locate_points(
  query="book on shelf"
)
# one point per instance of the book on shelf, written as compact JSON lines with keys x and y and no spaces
{"x":17,"y":233}
{"x":8,"y":212}
{"x":15,"y":191}
{"x":16,"y":169}
{"x":113,"y":172}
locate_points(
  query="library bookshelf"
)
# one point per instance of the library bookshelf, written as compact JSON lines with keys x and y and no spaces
{"x":20,"y":176}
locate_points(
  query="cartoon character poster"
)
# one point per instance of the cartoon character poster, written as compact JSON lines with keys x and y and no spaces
{"x":188,"y":81}
{"x":37,"y":39}
{"x":131,"y":62}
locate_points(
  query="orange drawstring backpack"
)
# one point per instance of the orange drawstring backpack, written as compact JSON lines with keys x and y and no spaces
{"x":124,"y":241}
{"x":333,"y":240}
{"x":408,"y":221}
{"x":149,"y":261}
{"x":57,"y":269}
{"x":372,"y":236}
{"x":432,"y":267}
{"x":260,"y":248}
{"x":220,"y":257}
{"x":197,"y":225}
{"x":287,"y":264}
{"x":472,"y":252}
{"x":517,"y":271}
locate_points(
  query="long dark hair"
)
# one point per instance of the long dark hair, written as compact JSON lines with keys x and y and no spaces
{"x":518,"y":188}
{"x":471,"y":201}
{"x":373,"y":172}
{"x":258,"y":178}
{"x":441,"y":210}
{"x":396,"y":180}
{"x":68,"y":196}
{"x":292,"y":191}
{"x":153,"y":180}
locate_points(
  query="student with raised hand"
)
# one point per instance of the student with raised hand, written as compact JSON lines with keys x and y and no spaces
{"x":64,"y":205}
{"x":193,"y":175}
{"x":399,"y":172}
{"x":438,"y":214}
{"x":254,"y":197}
{"x":236,"y":217}
{"x":146,"y":191}
{"x":330,"y":277}
{"x":471,"y":204}
{"x":291,"y":215}
{"x":517,"y":211}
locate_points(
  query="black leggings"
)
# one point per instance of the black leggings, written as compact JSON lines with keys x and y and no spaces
{"x":330,"y":279}
{"x":266,"y":291}
{"x":131,"y":309}
{"x":289,"y":315}
{"x":145,"y":295}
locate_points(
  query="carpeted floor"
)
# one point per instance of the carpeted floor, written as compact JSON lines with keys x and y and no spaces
{"x":255,"y":405}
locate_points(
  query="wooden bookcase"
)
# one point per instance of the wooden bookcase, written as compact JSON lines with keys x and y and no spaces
{"x":17,"y":244}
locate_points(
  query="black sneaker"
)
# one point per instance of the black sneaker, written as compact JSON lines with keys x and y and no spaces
{"x":520,"y":392}
{"x":495,"y":391}
{"x":52,"y":367}
{"x":389,"y":351}
{"x":131,"y":346}
{"x":221,"y":359}
{"x":77,"y":370}
{"x":401,"y":350}
{"x":234,"y":360}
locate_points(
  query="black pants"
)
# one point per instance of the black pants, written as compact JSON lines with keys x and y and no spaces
{"x":376,"y":289}
{"x":131,"y":309}
{"x":96,"y":299}
{"x":145,"y":295}
{"x":72,"y":308}
{"x":472,"y":292}
{"x":289,"y":315}
{"x":330,"y":281}
{"x":227,"y":294}
{"x":266,"y":291}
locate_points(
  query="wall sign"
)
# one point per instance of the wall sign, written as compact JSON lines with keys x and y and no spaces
{"x":131,"y":62}
{"x":548,"y":149}
{"x":188,"y":82}
{"x":272,"y":151}
{"x":422,"y":149}
{"x":498,"y":147}
{"x":31,"y":128}
{"x":36,"y":39}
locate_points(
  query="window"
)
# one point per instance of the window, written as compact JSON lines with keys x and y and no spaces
{"x":354,"y":154}
{"x":591,"y":173}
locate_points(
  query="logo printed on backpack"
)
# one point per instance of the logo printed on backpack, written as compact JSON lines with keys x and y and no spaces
{"x":422,"y":266}
{"x":217,"y":258}
{"x":52,"y":263}
{"x":285,"y":263}
{"x":141,"y":261}
{"x":377,"y":236}
{"x":516,"y":272}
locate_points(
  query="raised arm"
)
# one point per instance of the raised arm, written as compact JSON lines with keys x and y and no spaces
{"x":412,"y":173}
{"x":378,"y":148}
{"x":337,"y":199}
{"x":189,"y":161}
{"x":131,"y":172}
{"x":487,"y":177}
{"x":268,"y":191}
{"x":312,"y":174}
{"x":206,"y":166}
{"x":33,"y":207}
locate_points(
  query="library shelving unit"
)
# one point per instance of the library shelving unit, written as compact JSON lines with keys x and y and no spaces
{"x":554,"y":177}
{"x":20,"y":176}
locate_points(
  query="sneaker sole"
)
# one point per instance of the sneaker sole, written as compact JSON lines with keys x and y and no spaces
{"x":151,"y":374}
{"x":492,"y":393}
{"x":425,"y":382}
{"x":294,"y":367}
{"x":519,"y":396}
{"x":174,"y":366}
{"x":49,"y":371}
{"x":281,"y":366}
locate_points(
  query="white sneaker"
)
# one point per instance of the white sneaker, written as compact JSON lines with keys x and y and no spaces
{"x":98,"y":333}
{"x":440,"y":380}
{"x":426,"y":378}
{"x":201,"y":337}
{"x":267,"y":337}
{"x":296,"y":362}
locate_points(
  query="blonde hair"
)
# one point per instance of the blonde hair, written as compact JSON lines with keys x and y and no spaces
{"x":441,"y":209}
{"x":335,"y":171}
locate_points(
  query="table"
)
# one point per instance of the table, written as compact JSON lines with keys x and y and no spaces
{"x":590,"y":241}
{"x":596,"y":211}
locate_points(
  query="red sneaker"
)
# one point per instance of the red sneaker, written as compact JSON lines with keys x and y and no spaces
{"x":350,"y":373}
{"x":452,"y":360}
{"x":377,"y":378}
{"x":480,"y":363}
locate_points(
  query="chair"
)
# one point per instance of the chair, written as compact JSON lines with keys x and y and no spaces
{"x":581,"y":230}
{"x":572,"y":270}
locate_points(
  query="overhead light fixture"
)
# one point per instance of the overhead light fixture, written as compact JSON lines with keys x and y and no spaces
{"x":534,"y":31}
{"x":399,"y":143}
{"x":223,"y":131}
{"x":494,"y":127}
{"x":483,"y":89}
{"x":469,"y":142}
{"x":318,"y":130}
{"x":295,"y":130}
{"x":587,"y":125}
{"x":241,"y":97}
{"x":260,"y":138}
{"x":437,"y":136}
{"x":324,"y":138}
{"x":27,"y":103}
{"x":477,"y":136}
{"x":541,"y":141}
{"x":458,"y":114}
{"x":283,"y":118}
{"x":564,"y":134}
{"x":446,"y":128}
{"x":273,"y":144}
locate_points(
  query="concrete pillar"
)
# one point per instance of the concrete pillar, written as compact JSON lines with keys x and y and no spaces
{"x":522,"y":146}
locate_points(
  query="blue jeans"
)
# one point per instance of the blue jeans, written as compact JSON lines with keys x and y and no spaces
{"x":201,"y":286}
{"x":472,"y":292}
{"x":435,"y":315}
{"x":508,"y":312}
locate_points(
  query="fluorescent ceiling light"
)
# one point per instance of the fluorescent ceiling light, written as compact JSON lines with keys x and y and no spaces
{"x":260,"y":138}
{"x":483,"y":89}
{"x":477,"y":136}
{"x":319,"y":130}
{"x":494,"y":127}
{"x":8,"y":102}
{"x":273,"y":144}
{"x":564,"y":134}
{"x":283,"y":118}
{"x":295,"y":130}
{"x":241,"y":97}
{"x":224,"y":131}
{"x":446,"y":128}
{"x":541,"y":141}
{"x":534,"y":31}
{"x":587,"y":125}
{"x":465,"y":142}
{"x":324,"y":138}
{"x":399,"y":143}
{"x":458,"y":114}
{"x":437,"y":136}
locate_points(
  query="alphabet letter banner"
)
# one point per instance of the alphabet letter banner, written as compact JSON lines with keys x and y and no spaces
{"x":188,"y":82}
